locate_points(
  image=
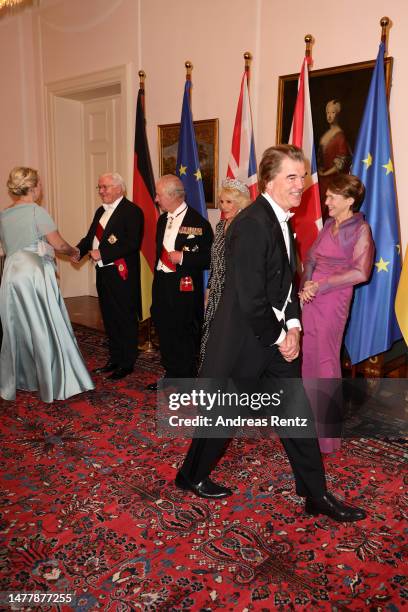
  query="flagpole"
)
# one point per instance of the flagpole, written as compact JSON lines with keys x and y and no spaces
{"x":248,"y":60}
{"x":309,"y":42}
{"x":142,"y":77}
{"x":147,"y":346}
{"x":384,"y":23}
{"x":189,"y":69}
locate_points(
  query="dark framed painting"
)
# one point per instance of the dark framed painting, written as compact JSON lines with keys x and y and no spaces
{"x":206,"y":132}
{"x":348,"y":85}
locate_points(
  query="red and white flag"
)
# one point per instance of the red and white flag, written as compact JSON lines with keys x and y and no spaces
{"x":242,"y":162}
{"x":307,"y":220}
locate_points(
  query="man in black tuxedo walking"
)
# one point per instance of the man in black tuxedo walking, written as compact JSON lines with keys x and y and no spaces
{"x":256,"y":330}
{"x":113,"y":243}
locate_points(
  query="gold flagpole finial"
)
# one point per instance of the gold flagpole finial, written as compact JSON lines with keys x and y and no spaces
{"x":142,"y":77}
{"x":309,"y":42}
{"x":385,"y":24}
{"x":248,"y":60}
{"x":189,"y":69}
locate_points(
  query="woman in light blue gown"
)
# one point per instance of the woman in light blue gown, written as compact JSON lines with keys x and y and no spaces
{"x":39,"y":351}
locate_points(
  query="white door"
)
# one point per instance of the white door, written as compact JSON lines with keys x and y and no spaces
{"x":87,"y":144}
{"x":101,"y":128}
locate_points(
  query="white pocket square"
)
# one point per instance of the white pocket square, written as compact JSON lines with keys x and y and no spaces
{"x":190,"y":236}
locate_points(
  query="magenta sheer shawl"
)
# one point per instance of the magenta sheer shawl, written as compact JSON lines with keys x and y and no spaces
{"x":356,"y":241}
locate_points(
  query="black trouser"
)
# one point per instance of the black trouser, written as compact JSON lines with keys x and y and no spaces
{"x":174,"y":316}
{"x":118,"y":303}
{"x":303,"y":453}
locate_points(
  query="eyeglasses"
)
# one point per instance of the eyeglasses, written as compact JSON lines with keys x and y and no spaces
{"x":103,"y":187}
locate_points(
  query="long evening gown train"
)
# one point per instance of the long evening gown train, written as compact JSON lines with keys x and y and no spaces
{"x":337,"y":262}
{"x":39,"y":349}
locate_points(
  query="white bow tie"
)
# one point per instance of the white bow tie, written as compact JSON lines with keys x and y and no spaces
{"x":108,"y":206}
{"x":288,"y":216}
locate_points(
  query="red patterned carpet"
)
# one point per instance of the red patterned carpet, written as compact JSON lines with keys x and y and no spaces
{"x":88,"y":508}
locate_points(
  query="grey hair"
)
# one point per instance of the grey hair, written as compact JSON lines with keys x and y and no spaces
{"x":173,"y":185}
{"x":117,"y":179}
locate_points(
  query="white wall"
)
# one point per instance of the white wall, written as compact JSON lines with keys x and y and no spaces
{"x":67,"y":38}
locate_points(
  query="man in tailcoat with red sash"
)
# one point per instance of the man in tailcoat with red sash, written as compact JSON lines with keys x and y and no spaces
{"x":183,"y":251}
{"x":113,"y":243}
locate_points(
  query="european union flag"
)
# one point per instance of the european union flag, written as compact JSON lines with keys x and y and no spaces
{"x":373,"y":326}
{"x":188,"y":166}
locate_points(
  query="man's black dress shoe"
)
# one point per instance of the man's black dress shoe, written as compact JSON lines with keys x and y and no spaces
{"x":334,"y":508}
{"x":206,"y":488}
{"x":151,"y":387}
{"x":108,"y":367}
{"x":154,"y":386}
{"x":120,"y":373}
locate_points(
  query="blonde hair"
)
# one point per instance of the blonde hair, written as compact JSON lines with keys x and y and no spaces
{"x":21,"y":179}
{"x":241,"y":199}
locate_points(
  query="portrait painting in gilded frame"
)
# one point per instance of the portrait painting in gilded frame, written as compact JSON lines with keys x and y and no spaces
{"x":337,"y":95}
{"x":206,"y":132}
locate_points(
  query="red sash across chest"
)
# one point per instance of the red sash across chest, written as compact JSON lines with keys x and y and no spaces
{"x":165,"y":257}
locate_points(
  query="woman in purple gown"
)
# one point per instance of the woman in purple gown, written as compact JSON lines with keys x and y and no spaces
{"x":341,"y":257}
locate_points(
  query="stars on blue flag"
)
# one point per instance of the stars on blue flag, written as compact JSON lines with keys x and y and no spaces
{"x":373,"y":326}
{"x":188,"y":166}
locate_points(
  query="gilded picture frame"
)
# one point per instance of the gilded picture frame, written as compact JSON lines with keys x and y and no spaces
{"x":206,"y":132}
{"x":349,"y":84}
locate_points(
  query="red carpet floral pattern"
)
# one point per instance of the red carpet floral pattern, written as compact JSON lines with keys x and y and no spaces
{"x":89,"y":508}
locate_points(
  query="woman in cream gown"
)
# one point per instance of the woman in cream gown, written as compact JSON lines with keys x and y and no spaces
{"x":39,"y":350}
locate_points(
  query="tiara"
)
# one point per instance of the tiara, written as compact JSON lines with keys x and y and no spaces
{"x":230,"y":183}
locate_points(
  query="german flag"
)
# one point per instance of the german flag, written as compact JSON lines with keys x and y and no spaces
{"x":143,"y":196}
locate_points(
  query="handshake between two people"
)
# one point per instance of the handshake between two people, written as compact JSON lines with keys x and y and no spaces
{"x":95,"y":255}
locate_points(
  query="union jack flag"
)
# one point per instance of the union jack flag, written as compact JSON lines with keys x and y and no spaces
{"x":307,"y":220}
{"x":242,"y":162}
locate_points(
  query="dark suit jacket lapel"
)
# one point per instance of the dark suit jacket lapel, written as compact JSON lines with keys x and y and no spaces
{"x":274,"y":219}
{"x":293,"y":253}
{"x":92,"y":230}
{"x":98,"y":215}
{"x":161,"y":228}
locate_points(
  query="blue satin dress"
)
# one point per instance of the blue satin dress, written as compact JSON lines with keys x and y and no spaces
{"x":39,"y":350}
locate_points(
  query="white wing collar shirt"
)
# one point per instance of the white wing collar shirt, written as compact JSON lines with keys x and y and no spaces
{"x":109,"y":209}
{"x":283,"y":218}
{"x":174,"y":221}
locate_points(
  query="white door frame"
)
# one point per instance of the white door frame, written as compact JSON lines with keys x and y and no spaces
{"x":77,"y":88}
